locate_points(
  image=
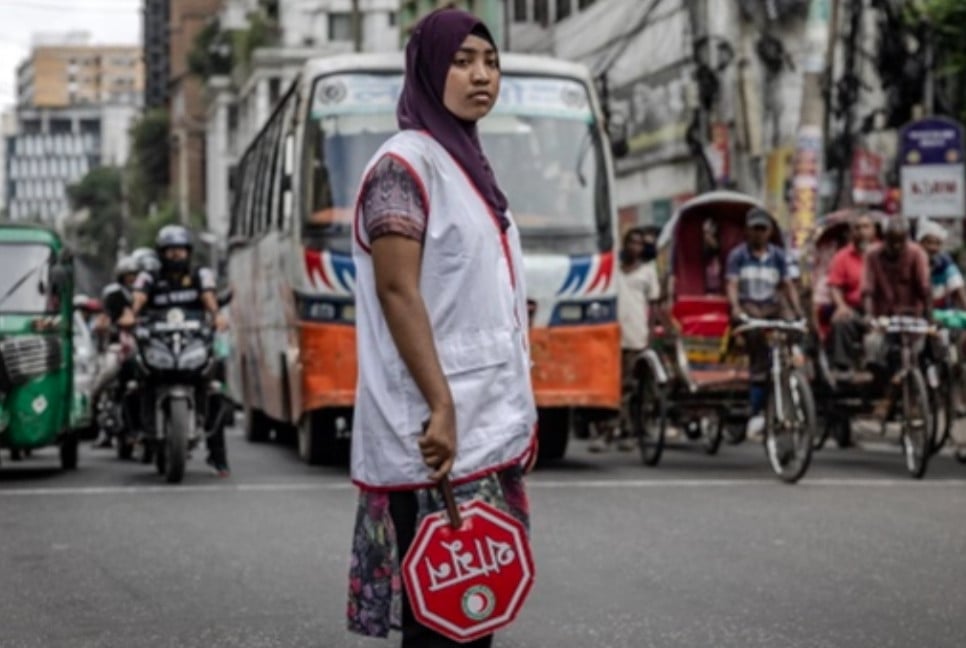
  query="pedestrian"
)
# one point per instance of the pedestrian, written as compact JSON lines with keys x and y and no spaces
{"x":638,"y":287}
{"x":444,"y":368}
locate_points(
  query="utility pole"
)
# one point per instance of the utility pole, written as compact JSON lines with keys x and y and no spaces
{"x":356,"y":27}
{"x":821,"y":29}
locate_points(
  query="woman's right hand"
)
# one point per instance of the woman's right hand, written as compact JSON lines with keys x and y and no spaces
{"x":438,"y":443}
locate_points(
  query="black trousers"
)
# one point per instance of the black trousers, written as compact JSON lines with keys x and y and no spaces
{"x":403,"y":510}
{"x":845,"y":342}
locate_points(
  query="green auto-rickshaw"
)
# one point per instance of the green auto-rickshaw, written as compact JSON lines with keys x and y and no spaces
{"x":36,"y":344}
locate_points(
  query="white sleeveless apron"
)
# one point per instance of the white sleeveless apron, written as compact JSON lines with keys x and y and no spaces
{"x":472,"y":284}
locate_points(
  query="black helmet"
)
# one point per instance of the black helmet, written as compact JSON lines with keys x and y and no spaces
{"x":173,"y":236}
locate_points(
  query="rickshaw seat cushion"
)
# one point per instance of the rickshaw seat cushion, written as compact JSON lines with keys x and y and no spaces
{"x":702,"y":315}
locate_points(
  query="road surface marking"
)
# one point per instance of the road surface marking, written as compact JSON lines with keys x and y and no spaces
{"x":533,"y":484}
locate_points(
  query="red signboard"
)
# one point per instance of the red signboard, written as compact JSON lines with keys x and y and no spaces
{"x":867,"y":187}
{"x":468,"y":582}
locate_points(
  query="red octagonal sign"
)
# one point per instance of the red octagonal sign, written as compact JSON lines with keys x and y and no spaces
{"x":468,"y":582}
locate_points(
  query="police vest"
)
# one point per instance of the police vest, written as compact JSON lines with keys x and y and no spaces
{"x":181,"y":292}
{"x":472,"y":284}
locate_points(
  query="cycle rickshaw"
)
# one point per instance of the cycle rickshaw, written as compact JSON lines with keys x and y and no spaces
{"x":692,"y":375}
{"x":909,"y":386}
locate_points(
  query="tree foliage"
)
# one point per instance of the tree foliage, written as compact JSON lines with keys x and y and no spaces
{"x":946,"y":22}
{"x":96,"y":229}
{"x":148,"y":166}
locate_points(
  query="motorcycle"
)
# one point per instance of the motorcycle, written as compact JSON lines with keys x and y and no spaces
{"x":180,"y":403}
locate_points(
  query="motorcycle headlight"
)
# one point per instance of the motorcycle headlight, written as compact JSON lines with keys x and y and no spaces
{"x":194,"y":357}
{"x":157,"y":356}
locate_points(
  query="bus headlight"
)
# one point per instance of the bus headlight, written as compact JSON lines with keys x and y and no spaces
{"x":316,"y":309}
{"x":590,"y":312}
{"x":570,"y":313}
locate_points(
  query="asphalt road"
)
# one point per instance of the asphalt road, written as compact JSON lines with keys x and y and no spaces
{"x":702,"y":551}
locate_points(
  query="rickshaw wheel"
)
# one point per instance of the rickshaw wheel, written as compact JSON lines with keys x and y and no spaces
{"x":916,"y":437}
{"x":68,"y":451}
{"x":943,"y":407}
{"x":790,"y":457}
{"x":712,"y":432}
{"x":649,"y":415}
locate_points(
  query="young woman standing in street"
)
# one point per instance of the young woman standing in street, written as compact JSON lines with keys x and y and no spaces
{"x":444,"y":369}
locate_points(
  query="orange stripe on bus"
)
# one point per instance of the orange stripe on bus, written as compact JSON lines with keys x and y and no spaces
{"x":328,"y":365}
{"x":576,"y":366}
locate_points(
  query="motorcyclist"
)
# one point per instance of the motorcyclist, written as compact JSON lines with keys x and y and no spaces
{"x":115,"y":297}
{"x":177,"y":284}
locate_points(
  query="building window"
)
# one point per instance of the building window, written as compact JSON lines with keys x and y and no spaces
{"x":583,"y":4}
{"x":541,"y":12}
{"x":392,"y":18}
{"x":340,"y":26}
{"x":563,"y":9}
{"x":519,"y":10}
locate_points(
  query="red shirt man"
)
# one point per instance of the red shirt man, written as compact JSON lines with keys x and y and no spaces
{"x":845,"y":273}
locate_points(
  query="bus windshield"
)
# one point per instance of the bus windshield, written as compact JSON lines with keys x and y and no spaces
{"x":24,"y":285}
{"x":541,"y":139}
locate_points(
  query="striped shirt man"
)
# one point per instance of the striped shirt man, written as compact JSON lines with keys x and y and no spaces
{"x":759,"y":277}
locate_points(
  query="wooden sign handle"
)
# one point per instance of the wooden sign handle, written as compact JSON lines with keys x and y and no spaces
{"x":446,"y":489}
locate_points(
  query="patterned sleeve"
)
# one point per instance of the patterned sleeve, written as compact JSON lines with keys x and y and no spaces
{"x":392,"y":202}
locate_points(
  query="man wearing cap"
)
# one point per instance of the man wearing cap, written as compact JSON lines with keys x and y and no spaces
{"x":757,"y":274}
{"x":946,"y":279}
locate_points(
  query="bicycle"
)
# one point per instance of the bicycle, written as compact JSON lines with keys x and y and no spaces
{"x":790,"y":407}
{"x":909,"y":385}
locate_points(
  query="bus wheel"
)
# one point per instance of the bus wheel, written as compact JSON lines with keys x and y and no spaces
{"x":68,"y":451}
{"x":258,"y":427}
{"x":317,"y":440}
{"x":554,"y":429}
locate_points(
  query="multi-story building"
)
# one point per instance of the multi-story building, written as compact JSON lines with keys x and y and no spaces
{"x":56,"y":147}
{"x":75,"y":105}
{"x":492,"y":12}
{"x":156,"y":17}
{"x":240,"y":104}
{"x":67,"y":71}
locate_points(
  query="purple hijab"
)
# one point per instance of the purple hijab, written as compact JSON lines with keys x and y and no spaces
{"x":429,"y":53}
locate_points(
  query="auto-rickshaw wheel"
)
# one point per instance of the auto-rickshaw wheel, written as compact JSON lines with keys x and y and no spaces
{"x":68,"y":451}
{"x":15,"y":454}
{"x":961,"y":455}
{"x":649,"y":418}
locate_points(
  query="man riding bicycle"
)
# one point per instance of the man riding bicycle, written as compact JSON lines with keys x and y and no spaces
{"x":757,"y":276}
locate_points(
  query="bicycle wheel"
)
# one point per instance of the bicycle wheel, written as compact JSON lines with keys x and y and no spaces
{"x":916,"y":423}
{"x":789,"y":442}
{"x":942,"y":405}
{"x":649,"y":415}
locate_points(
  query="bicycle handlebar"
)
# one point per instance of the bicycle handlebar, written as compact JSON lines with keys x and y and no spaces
{"x":904,"y":324}
{"x":764,"y":324}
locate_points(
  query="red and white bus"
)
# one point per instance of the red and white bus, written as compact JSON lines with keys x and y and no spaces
{"x":290,"y":265}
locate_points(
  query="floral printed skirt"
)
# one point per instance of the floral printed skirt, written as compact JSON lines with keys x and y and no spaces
{"x":375,"y":577}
